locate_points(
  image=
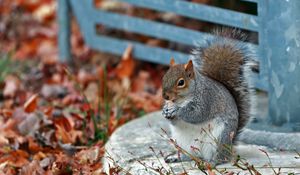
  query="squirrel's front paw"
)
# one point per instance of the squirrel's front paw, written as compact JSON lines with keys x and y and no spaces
{"x":169,"y":111}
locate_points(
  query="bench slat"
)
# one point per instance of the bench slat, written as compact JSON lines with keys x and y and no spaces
{"x":152,"y":54}
{"x":83,"y":14}
{"x":139,"y":25}
{"x":201,"y":12}
{"x":146,"y":53}
{"x":147,"y":27}
{"x":151,"y":28}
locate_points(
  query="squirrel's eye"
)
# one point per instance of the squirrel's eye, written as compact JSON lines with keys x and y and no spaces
{"x":180,"y":83}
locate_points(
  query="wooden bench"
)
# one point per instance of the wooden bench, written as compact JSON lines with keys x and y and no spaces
{"x":277,"y":24}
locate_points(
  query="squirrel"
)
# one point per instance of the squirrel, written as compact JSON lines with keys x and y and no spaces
{"x":208,"y":100}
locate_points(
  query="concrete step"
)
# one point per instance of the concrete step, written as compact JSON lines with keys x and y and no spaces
{"x":138,"y":145}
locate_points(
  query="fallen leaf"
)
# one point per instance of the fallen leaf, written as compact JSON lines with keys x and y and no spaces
{"x":62,"y":134}
{"x":45,"y":11}
{"x":53,"y":91}
{"x":32,"y":168}
{"x":6,"y":112}
{"x":141,"y":82}
{"x":90,"y":155}
{"x":33,"y":146}
{"x":29,"y":49}
{"x":67,"y":135}
{"x":16,"y":158}
{"x":127,"y":64}
{"x":84,"y":77}
{"x":31,"y":104}
{"x":29,"y":125}
{"x":209,"y":169}
{"x":3,"y":140}
{"x":12,"y":85}
{"x":91,"y":93}
{"x":46,"y":161}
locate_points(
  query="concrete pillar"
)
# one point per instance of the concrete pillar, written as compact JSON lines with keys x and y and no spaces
{"x":279,"y":39}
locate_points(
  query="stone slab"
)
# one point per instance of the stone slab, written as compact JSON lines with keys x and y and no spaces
{"x":131,"y":147}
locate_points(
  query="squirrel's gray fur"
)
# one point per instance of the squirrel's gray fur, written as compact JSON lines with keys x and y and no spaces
{"x":215,"y":99}
{"x":233,"y":74}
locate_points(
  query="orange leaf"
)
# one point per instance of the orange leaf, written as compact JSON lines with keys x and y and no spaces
{"x":48,"y":111}
{"x":31,"y":104}
{"x":209,"y":169}
{"x":113,"y":122}
{"x":63,"y":135}
{"x":126,"y":67}
{"x":33,"y":146}
{"x":6,"y":112}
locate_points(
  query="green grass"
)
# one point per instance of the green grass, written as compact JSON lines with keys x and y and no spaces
{"x":5,"y":62}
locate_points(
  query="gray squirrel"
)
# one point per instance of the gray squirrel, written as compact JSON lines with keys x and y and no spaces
{"x":208,"y":100}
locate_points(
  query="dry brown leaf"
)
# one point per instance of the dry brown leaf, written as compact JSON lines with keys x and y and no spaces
{"x":31,"y":104}
{"x":141,"y":82}
{"x":6,"y":112}
{"x":16,"y":158}
{"x":3,"y":140}
{"x":90,"y":155}
{"x":45,"y":11}
{"x":53,"y":91}
{"x":62,"y":134}
{"x":85,"y":77}
{"x":127,"y":64}
{"x":12,"y":85}
{"x":29,"y":125}
{"x":65,"y":131}
{"x":33,"y":146}
{"x":32,"y":168}
{"x":29,"y":49}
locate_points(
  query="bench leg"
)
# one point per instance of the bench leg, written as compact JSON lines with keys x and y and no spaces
{"x":64,"y":18}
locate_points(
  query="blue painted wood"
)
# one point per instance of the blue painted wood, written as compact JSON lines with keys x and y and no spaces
{"x":147,"y":27}
{"x":150,"y":28}
{"x":142,"y":26}
{"x":280,"y":45}
{"x":88,"y":16}
{"x":141,"y":51}
{"x":201,"y":12}
{"x":64,"y":45}
{"x":154,"y":54}
{"x":116,"y":46}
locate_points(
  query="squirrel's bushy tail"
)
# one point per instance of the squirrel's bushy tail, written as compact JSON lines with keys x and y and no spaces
{"x":226,"y":61}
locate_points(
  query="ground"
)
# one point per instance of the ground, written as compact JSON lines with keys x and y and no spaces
{"x":140,"y":145}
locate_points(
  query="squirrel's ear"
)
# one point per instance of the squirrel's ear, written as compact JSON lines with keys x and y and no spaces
{"x":172,"y":62}
{"x":189,"y":65}
{"x":189,"y":68}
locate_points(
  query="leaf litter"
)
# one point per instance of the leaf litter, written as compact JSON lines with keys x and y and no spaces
{"x":54,"y":118}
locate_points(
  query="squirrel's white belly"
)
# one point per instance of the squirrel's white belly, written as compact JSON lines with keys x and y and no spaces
{"x":198,"y":139}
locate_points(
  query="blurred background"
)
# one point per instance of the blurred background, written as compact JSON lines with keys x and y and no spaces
{"x":56,"y":116}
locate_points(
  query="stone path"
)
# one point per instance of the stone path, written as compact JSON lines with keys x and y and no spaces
{"x":132,"y":145}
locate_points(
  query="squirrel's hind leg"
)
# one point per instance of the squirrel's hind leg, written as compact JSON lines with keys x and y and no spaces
{"x":224,"y":152}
